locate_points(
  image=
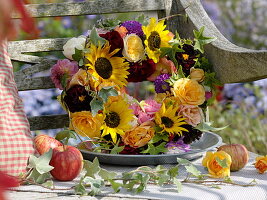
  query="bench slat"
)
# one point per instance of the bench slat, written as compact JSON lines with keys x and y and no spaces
{"x":48,"y":122}
{"x":93,"y":7}
{"x":34,"y":83}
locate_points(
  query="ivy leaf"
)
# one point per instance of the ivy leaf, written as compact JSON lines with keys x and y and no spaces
{"x":154,"y":150}
{"x":210,"y":79}
{"x":63,"y":80}
{"x":80,"y":189}
{"x":222,"y":163}
{"x":178,"y":184}
{"x":96,"y":39}
{"x":115,"y":185}
{"x":65,"y":135}
{"x":91,"y":168}
{"x":116,"y":149}
{"x":49,"y":184}
{"x":201,"y":40}
{"x":182,"y":161}
{"x":41,"y":164}
{"x":105,"y":92}
{"x":39,"y":178}
{"x":173,"y":172}
{"x":78,"y":55}
{"x":159,"y":137}
{"x":106,"y":175}
{"x":193,"y":170}
{"x":95,"y":184}
{"x":206,"y":127}
{"x":96,"y":105}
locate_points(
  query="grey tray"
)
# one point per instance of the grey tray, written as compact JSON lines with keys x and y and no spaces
{"x":207,"y":142}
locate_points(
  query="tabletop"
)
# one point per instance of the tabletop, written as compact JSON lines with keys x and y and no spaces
{"x":189,"y":191}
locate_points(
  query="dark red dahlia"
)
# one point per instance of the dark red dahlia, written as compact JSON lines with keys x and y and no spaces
{"x":115,"y":41}
{"x":192,"y":134}
{"x":130,"y":150}
{"x":78,"y":99}
{"x":187,"y":58}
{"x":141,"y":71}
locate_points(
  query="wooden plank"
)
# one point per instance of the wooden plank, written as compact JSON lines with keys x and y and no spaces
{"x":39,"y":45}
{"x":230,"y":62}
{"x":34,"y":83}
{"x":48,"y":122}
{"x":93,"y":7}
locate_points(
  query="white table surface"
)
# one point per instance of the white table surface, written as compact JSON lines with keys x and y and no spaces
{"x":189,"y":191}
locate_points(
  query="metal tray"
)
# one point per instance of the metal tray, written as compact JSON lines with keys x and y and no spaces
{"x":207,"y":142}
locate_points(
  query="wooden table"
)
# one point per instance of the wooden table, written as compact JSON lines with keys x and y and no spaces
{"x":189,"y":191}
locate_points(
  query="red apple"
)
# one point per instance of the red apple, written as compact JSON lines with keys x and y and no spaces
{"x":44,"y":142}
{"x":67,"y":162}
{"x":238,"y":153}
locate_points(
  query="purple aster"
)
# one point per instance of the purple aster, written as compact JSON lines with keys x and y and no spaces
{"x":133,"y":27}
{"x":177,"y":147}
{"x":62,"y":72}
{"x":161,"y":86}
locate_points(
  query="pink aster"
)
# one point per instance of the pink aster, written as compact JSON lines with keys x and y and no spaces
{"x":62,"y":72}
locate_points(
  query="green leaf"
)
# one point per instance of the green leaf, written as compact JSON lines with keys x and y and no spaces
{"x":106,"y":175}
{"x":96,"y":39}
{"x":173,"y":171}
{"x":105,"y":92}
{"x":95,"y":184}
{"x":91,"y":168}
{"x":154,"y":150}
{"x":178,"y":184}
{"x":96,"y":105}
{"x":116,"y":149}
{"x":78,"y":55}
{"x":222,"y":163}
{"x":49,"y":184}
{"x":193,"y":170}
{"x":39,"y":178}
{"x":206,"y":127}
{"x":182,"y":161}
{"x":80,"y":189}
{"x":41,"y":164}
{"x":201,"y":40}
{"x":115,"y":185}
{"x":65,"y":135}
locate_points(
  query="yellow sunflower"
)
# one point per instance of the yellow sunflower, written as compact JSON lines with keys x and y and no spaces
{"x":105,"y":69}
{"x":167,"y":119}
{"x":156,"y":37}
{"x":117,"y":120}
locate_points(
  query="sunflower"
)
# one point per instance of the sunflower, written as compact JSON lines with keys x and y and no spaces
{"x":105,"y":69}
{"x":167,"y":119}
{"x":156,"y":37}
{"x":117,"y":120}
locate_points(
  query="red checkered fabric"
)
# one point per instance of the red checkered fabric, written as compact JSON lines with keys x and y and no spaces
{"x":16,"y":142}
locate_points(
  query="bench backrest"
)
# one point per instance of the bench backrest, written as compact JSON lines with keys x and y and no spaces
{"x":231,"y":63}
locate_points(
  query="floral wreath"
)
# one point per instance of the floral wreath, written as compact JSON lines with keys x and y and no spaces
{"x":94,"y":79}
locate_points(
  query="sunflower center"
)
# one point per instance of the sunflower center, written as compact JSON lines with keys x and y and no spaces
{"x":167,"y":122}
{"x":103,"y":67}
{"x":112,"y":119}
{"x":154,"y":41}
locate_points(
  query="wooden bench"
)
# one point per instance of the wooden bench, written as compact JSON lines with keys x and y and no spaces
{"x":231,"y":63}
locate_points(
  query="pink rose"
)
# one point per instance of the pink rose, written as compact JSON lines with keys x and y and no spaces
{"x":143,"y":117}
{"x":151,"y":106}
{"x":136,"y":108}
{"x":193,"y":114}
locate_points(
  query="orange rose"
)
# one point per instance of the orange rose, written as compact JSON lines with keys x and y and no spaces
{"x":140,"y":135}
{"x":189,"y":91}
{"x":216,"y":170}
{"x":85,"y":124}
{"x":261,"y":164}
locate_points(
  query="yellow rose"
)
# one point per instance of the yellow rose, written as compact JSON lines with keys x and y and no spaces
{"x":197,"y":74}
{"x":189,"y":91}
{"x":215,"y":170}
{"x":133,"y":48}
{"x":85,"y":124}
{"x":261,"y":164}
{"x":140,"y":135}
